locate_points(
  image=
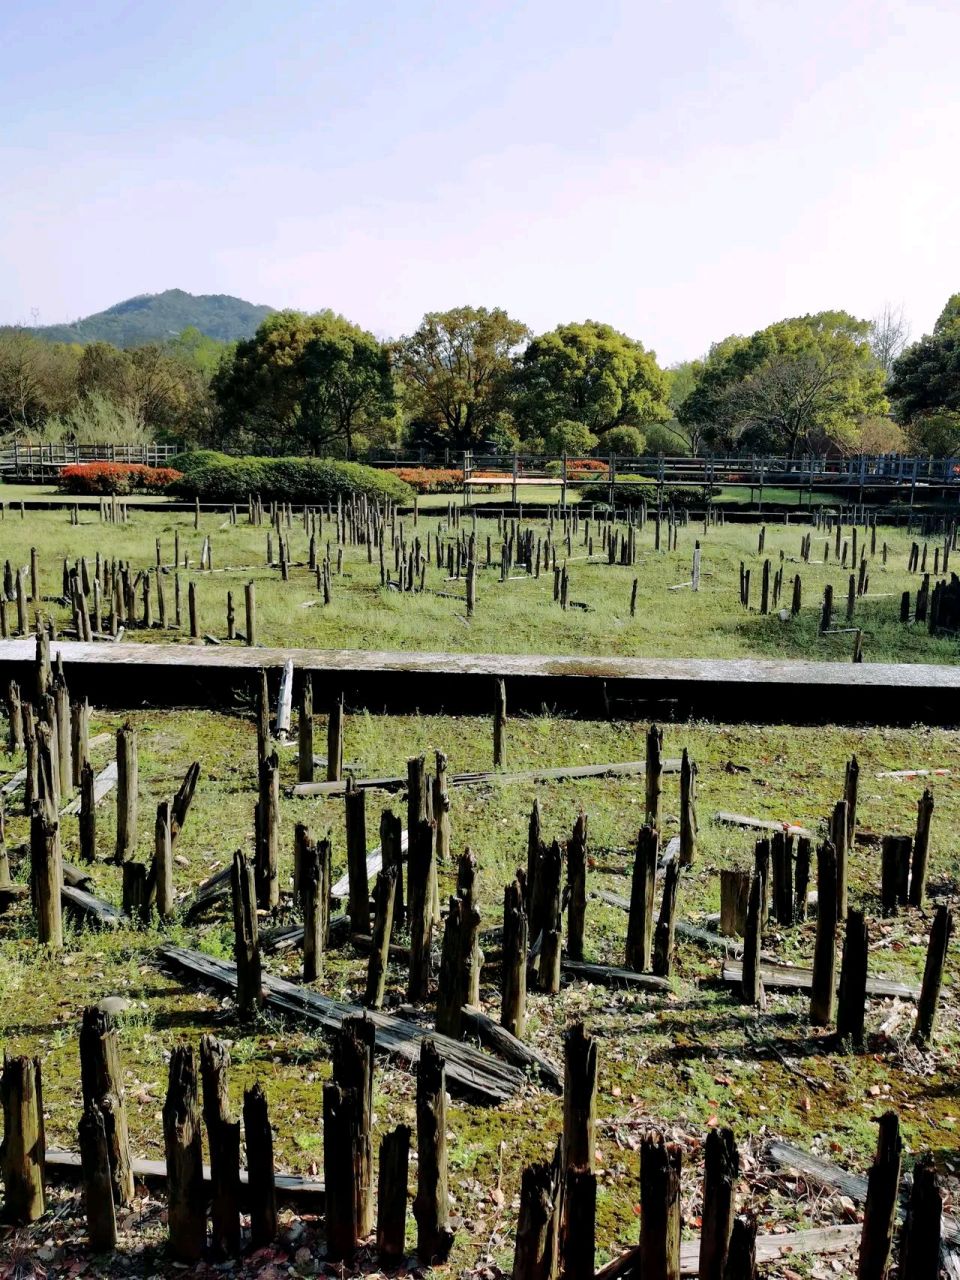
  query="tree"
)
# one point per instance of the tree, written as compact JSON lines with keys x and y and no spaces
{"x":629,"y":441}
{"x":303,"y":383}
{"x":588,"y":373}
{"x":925,"y":381}
{"x":36,"y":379}
{"x":455,"y":367}
{"x":795,"y":384}
{"x":889,"y":334}
{"x":572,"y":438}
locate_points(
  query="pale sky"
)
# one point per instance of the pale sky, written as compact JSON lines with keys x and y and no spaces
{"x":680,"y":170}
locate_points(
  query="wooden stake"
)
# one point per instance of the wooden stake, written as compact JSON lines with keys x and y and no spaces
{"x":384,"y":896}
{"x":500,"y":725}
{"x":97,"y":1187}
{"x":579,"y":1097}
{"x":314,"y":891}
{"x":895,"y":873}
{"x":186,"y":1201}
{"x":335,"y":741}
{"x":751,"y":987}
{"x":260,"y":1172}
{"x":223,"y":1136}
{"x":24,"y":1146}
{"x":659,"y":1207}
{"x":392,"y":1195}
{"x":852,"y":1002}
{"x":654,"y":784}
{"x":353,"y":1047}
{"x":513,"y":1008}
{"x":640,"y":923}
{"x":921,"y":848}
{"x":127,"y":789}
{"x":431,"y":1205}
{"x":663,"y":938}
{"x":920,"y":1240}
{"x":101,"y":1081}
{"x":576,"y":887}
{"x":246,"y":941}
{"x":536,"y":1255}
{"x":578,"y":1230}
{"x":823,"y":991}
{"x":688,"y":809}
{"x":880,"y":1211}
{"x":419,"y":871}
{"x":354,"y":807}
{"x":933,"y":976}
{"x":305,"y":731}
{"x":721,"y":1169}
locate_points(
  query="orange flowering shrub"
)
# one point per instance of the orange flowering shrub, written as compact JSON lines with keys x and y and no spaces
{"x":430,"y":479}
{"x":96,"y":478}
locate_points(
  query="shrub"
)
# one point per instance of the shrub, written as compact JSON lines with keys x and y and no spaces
{"x":627,"y":441}
{"x":632,"y":491}
{"x":430,"y":479}
{"x":211,"y":475}
{"x":566,"y":436}
{"x":99,"y":478}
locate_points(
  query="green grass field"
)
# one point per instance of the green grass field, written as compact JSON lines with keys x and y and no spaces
{"x":687,"y":1060}
{"x":518,"y":616}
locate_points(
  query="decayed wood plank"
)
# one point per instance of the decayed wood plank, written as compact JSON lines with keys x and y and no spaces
{"x":626,"y":768}
{"x":612,"y":976}
{"x":488,"y":1032}
{"x":290,"y":1186}
{"x":472,"y":1070}
{"x":93,"y":909}
{"x":799,"y":978}
{"x":769,"y":1249}
{"x":103,"y":784}
{"x":760,"y":824}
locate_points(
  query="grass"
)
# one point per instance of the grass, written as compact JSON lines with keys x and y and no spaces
{"x":686,"y":1061}
{"x":518,"y":616}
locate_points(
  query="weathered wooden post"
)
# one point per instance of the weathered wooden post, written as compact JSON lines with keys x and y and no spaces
{"x":922,"y":1231}
{"x":537,"y":1250}
{"x":823,"y":989}
{"x":23,"y":1151}
{"x":659,"y":1207}
{"x":163,"y":862}
{"x":353,"y":1047}
{"x":314,"y":892}
{"x":851,"y":787}
{"x":880,"y":1211}
{"x":97,"y":1188}
{"x":577,"y":887}
{"x":921,"y":849}
{"x":384,"y":896}
{"x":548,"y":892}
{"x":664,"y":934}
{"x":88,"y":814}
{"x":513,"y":1008}
{"x":826,"y":612}
{"x":431,"y":1205}
{"x":894,"y":873}
{"x":46,"y":869}
{"x":579,"y":1097}
{"x":933,"y":976}
{"x":266,"y":870}
{"x":419,"y":881}
{"x":742,"y":1253}
{"x":260,"y":1171}
{"x":654,"y":770}
{"x":640,"y":920}
{"x":688,"y":809}
{"x":751,"y":987}
{"x":186,"y":1202}
{"x":355,"y":813}
{"x":391,"y":847}
{"x":246,"y":940}
{"x":101,"y":1082}
{"x":852,"y":1002}
{"x":734,"y":900}
{"x":839,"y":826}
{"x":250,"y":601}
{"x":720,"y":1172}
{"x":80,"y":738}
{"x":305,"y":730}
{"x":392,"y":1195}
{"x":335,"y":741}
{"x":127,"y":790}
{"x":223,"y":1138}
{"x":500,"y":725}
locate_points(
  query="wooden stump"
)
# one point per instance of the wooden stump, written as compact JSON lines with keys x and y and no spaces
{"x":127,"y":788}
{"x":880,"y":1211}
{"x":734,"y":900}
{"x":823,"y":990}
{"x":640,"y":921}
{"x":46,"y":872}
{"x":536,"y":1254}
{"x":182,"y":1140}
{"x":895,"y":873}
{"x":751,"y":989}
{"x":384,"y":896}
{"x":263,"y":717}
{"x":920,"y":1240}
{"x":266,"y":868}
{"x":663,"y":937}
{"x":742,"y":1254}
{"x":260,"y":1173}
{"x":245,"y":933}
{"x":653,"y":778}
{"x":549,"y":899}
{"x":852,"y":1002}
{"x":500,"y":725}
{"x":659,"y":1207}
{"x":513,"y":1007}
{"x":782,"y":877}
{"x":353,"y":1047}
{"x":335,"y":741}
{"x":576,"y":888}
{"x":391,"y":850}
{"x":392,"y":1196}
{"x":921,"y":848}
{"x":472,"y":957}
{"x":802,"y":879}
{"x":223,"y":1138}
{"x":838,"y":838}
{"x":688,"y":809}
{"x":933,"y":976}
{"x":101,"y":1084}
{"x":23,"y":1150}
{"x":720,"y":1172}
{"x":579,"y":1098}
{"x":579,"y":1226}
{"x":163,"y":862}
{"x":431,"y":1205}
{"x":315,"y":891}
{"x":97,"y":1185}
{"x":305,"y":731}
{"x":136,"y":892}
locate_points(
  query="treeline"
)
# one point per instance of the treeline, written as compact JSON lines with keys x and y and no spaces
{"x":472,"y":378}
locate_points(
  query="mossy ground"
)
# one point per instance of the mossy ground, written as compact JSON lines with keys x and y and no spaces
{"x":685,"y":1061}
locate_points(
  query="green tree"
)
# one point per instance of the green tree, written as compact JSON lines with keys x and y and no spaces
{"x":37,"y":379}
{"x":795,"y":385}
{"x":925,"y":382}
{"x":628,"y":441}
{"x":455,"y":368}
{"x":572,"y":438}
{"x":588,"y":373}
{"x":303,"y":383}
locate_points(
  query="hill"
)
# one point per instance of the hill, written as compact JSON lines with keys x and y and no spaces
{"x":154,"y":317}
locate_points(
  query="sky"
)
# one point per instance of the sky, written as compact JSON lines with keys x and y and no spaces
{"x":680,"y":169}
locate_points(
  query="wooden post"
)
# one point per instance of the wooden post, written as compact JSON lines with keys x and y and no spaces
{"x":46,"y":870}
{"x":922,"y":1231}
{"x":246,"y":940}
{"x":314,"y":892}
{"x":23,"y":1150}
{"x":391,"y":848}
{"x":127,"y":788}
{"x":578,"y":1229}
{"x":263,"y":717}
{"x":826,"y":613}
{"x":431,"y":1205}
{"x":266,"y":870}
{"x":536,"y":1255}
{"x":392,"y":1196}
{"x":579,"y":1097}
{"x":15,"y":741}
{"x":852,"y":1002}
{"x":88,"y":814}
{"x":721,"y":1169}
{"x":653,"y":776}
{"x":353,"y":1046}
{"x":354,"y":802}
{"x":851,"y":787}
{"x":97,"y":1189}
{"x":688,"y":809}
{"x":335,"y":741}
{"x":250,"y":601}
{"x":933,"y":976}
{"x":838,"y":838}
{"x":577,"y":887}
{"x":734,"y":900}
{"x":223,"y":1137}
{"x":163,"y":862}
{"x":751,"y":987}
{"x":549,"y":910}
{"x":895,"y":873}
{"x":640,"y":921}
{"x":101,"y":1082}
{"x":823,"y":989}
{"x":419,"y":881}
{"x":260,"y":1173}
{"x":384,"y":897}
{"x":305,"y":730}
{"x":659,"y":1207}
{"x":513,"y":1008}
{"x":663,"y":938}
{"x":742,"y":1253}
{"x":880,"y":1211}
{"x":186,"y":1201}
{"x":500,"y":725}
{"x":80,"y":738}
{"x":921,"y":848}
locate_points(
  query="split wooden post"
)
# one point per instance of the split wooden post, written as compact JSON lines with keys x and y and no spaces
{"x":688,"y":809}
{"x":852,"y":1002}
{"x":734,"y":900}
{"x":182,"y":1140}
{"x":579,"y":1097}
{"x":500,"y":725}
{"x":23,"y":1151}
{"x":431,"y":1205}
{"x":880,"y":1211}
{"x":513,"y":1006}
{"x":921,"y":849}
{"x":97,"y":1189}
{"x":933,"y":976}
{"x":536,"y":1254}
{"x":654,"y":784}
{"x":314,"y":891}
{"x":922,"y":1231}
{"x":751,"y":988}
{"x":392,"y":1195}
{"x":577,"y":887}
{"x":246,"y":945}
{"x":664,"y":934}
{"x":305,"y":730}
{"x":163,"y":862}
{"x":260,"y":1171}
{"x":101,"y":1082}
{"x":721,"y":1169}
{"x":894,"y":873}
{"x":742,"y":1254}
{"x":335,"y":740}
{"x":384,"y":896}
{"x":549,"y":898}
{"x":355,"y":814}
{"x":419,"y":881}
{"x":824,"y":982}
{"x":127,"y":789}
{"x":266,"y":869}
{"x":223,"y":1139}
{"x":640,"y":921}
{"x":353,"y":1047}
{"x":659,"y":1207}
{"x":578,"y":1229}
{"x":46,"y":867}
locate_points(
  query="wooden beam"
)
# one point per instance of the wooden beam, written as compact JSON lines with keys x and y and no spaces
{"x":789,"y":977}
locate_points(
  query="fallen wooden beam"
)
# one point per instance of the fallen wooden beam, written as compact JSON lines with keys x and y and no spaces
{"x":609,"y":975}
{"x":213,"y":890}
{"x":761,"y":824}
{"x":93,"y":910}
{"x":773,"y":1248}
{"x":374,"y":865}
{"x":291,"y":1187}
{"x":628,"y":768}
{"x":790,"y":977}
{"x":103,"y":784}
{"x":507,"y":1046}
{"x":475,"y":1072}
{"x":76,"y":878}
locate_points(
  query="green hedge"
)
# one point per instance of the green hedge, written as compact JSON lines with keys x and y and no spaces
{"x":636,"y":490}
{"x":217,"y":476}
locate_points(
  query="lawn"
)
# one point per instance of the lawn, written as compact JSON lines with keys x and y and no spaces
{"x":685,"y":1061}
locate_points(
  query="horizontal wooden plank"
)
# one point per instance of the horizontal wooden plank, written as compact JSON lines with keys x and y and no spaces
{"x":799,"y":978}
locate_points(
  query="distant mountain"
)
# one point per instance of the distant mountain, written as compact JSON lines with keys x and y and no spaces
{"x":154,"y":317}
